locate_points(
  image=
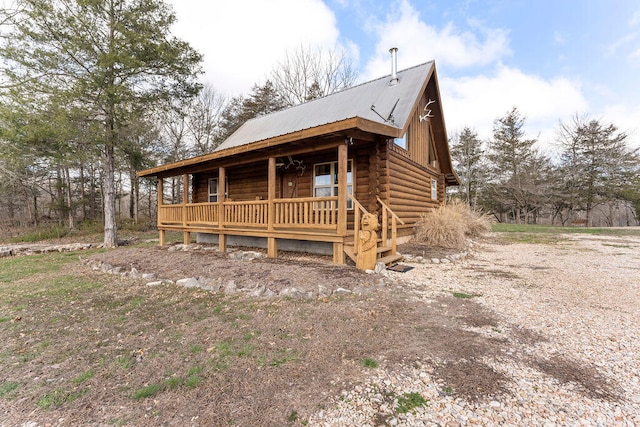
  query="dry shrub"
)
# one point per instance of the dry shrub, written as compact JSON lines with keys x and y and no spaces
{"x":450,"y":225}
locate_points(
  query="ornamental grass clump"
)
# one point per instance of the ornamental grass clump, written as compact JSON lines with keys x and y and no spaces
{"x":450,"y":225}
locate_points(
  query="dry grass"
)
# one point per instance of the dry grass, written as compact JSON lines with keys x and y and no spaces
{"x":451,"y":225}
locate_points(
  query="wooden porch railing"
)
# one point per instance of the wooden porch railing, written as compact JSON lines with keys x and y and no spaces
{"x":202,"y":213}
{"x":310,"y":212}
{"x":386,"y":213}
{"x":357,"y":215}
{"x":252,"y":213}
{"x":171,"y":214}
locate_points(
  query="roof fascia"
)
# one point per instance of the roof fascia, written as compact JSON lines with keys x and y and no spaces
{"x":343,"y":125}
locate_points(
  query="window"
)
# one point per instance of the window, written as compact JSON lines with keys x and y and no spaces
{"x":434,"y":189}
{"x":401,"y":142}
{"x":213,"y":190}
{"x":325,"y":180}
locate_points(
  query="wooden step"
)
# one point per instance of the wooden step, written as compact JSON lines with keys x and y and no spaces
{"x":350,"y":251}
{"x":383,"y":249}
{"x":390,"y":259}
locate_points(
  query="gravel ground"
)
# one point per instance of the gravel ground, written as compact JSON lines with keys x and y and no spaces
{"x":571,"y":313}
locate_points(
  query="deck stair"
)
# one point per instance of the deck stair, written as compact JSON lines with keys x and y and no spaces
{"x":388,"y":220}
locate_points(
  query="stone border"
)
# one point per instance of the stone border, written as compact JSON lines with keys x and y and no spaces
{"x":20,"y":250}
{"x":228,"y":286}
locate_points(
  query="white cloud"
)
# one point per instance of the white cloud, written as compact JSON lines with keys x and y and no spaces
{"x":419,"y":42}
{"x":243,"y":39}
{"x":477,"y":101}
{"x":626,"y":119}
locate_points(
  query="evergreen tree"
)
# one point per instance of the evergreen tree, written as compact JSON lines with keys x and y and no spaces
{"x":511,"y":156}
{"x":597,"y":164}
{"x":105,"y":57}
{"x":468,"y":157}
{"x":261,"y":101}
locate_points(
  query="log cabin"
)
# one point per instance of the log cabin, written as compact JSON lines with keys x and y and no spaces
{"x":302,"y":178}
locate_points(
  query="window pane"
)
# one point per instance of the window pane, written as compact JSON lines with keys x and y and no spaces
{"x":323,"y":192}
{"x":213,"y":186}
{"x":323,"y":174}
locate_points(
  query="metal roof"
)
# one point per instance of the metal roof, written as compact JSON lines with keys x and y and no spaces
{"x":376,"y":101}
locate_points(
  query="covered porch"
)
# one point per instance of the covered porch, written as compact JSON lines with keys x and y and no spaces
{"x":333,"y":220}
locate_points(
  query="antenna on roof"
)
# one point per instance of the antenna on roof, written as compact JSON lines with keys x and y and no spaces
{"x":390,"y":118}
{"x":394,"y":66}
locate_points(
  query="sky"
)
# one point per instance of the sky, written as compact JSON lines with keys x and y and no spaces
{"x":552,"y":59}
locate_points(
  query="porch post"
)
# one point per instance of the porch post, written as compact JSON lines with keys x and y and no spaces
{"x":222,"y":238}
{"x":160,"y":202}
{"x":338,"y":247}
{"x":186,"y":235}
{"x":272,"y":244}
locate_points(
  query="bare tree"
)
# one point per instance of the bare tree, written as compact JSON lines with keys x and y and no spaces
{"x":308,"y":73}
{"x":204,"y":119}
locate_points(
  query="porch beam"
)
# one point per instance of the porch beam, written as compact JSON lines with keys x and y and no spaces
{"x":186,"y":236}
{"x":222,"y":180}
{"x":342,"y":189}
{"x":338,"y":248}
{"x":162,"y":236}
{"x":272,"y":244}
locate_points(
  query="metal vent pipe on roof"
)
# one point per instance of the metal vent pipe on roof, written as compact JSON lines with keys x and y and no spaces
{"x":394,"y":66}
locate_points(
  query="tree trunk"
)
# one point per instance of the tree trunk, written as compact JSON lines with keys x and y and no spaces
{"x":69,"y":200}
{"x":109,"y":193}
{"x":83,"y":194}
{"x":135,"y":195}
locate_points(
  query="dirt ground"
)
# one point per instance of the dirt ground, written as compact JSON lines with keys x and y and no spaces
{"x":302,"y":271}
{"x":219,"y":359}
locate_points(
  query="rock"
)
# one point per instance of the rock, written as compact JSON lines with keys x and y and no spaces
{"x":435,"y":261}
{"x":258,"y":292}
{"x":380,"y":267}
{"x":445,"y":261}
{"x":157,"y":283}
{"x":269,"y":294}
{"x":370,"y":271}
{"x":134,"y":273}
{"x":105,"y":268}
{"x":210,"y":285}
{"x":190,"y":282}
{"x":324,"y":291}
{"x":246,"y":255}
{"x":5,"y":252}
{"x":148,"y":276}
{"x":291,"y":293}
{"x":118,"y":270}
{"x":342,"y":291}
{"x":361,"y":290}
{"x":230,"y":287}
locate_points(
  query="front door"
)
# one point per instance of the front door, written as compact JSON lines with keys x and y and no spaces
{"x":289,"y":184}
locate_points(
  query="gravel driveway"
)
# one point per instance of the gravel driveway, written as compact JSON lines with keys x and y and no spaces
{"x":570,"y":311}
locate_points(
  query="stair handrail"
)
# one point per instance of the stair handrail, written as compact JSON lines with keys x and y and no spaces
{"x":356,"y":221}
{"x":385,"y":225}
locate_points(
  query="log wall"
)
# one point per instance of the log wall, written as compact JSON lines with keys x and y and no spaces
{"x":410,"y":187}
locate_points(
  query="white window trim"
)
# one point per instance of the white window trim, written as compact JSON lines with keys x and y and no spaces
{"x":334,"y":172}
{"x":434,"y":189}
{"x":214,"y":194}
